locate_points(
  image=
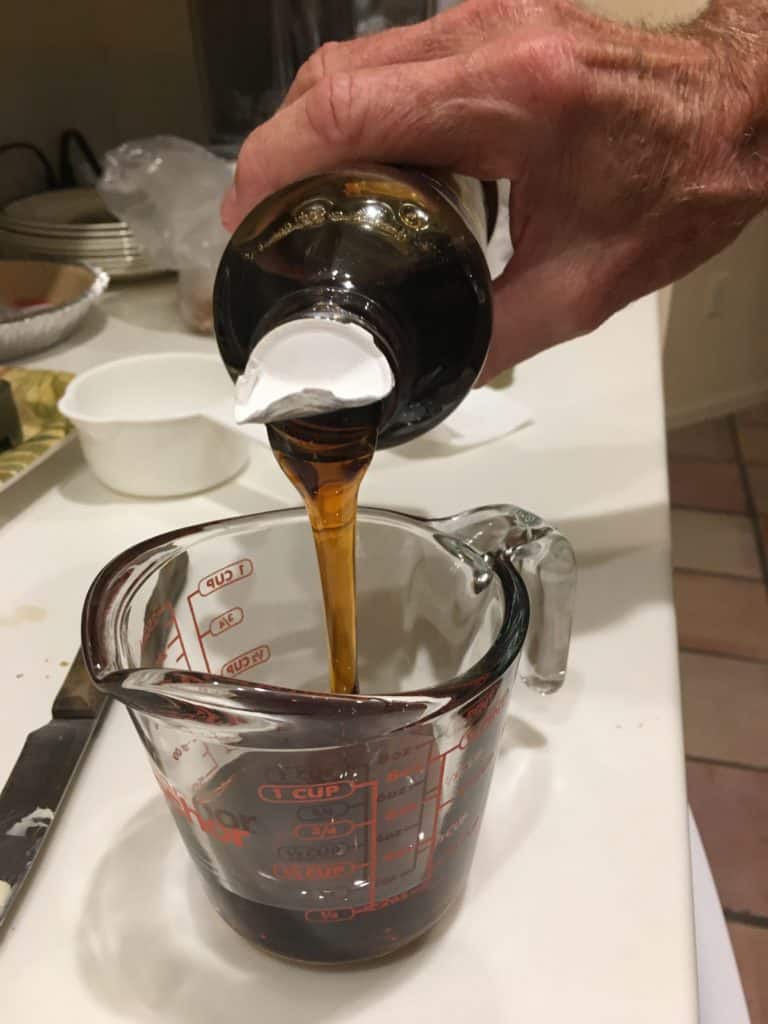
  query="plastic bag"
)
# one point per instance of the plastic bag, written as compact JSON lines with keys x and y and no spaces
{"x":168,"y":191}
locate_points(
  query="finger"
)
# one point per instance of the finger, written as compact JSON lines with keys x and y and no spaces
{"x":421,"y":113}
{"x":454,"y":31}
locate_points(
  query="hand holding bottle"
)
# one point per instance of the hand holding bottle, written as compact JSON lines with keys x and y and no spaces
{"x":634,"y":155}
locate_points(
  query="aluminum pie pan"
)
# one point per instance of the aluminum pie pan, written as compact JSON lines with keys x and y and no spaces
{"x":73,"y":289}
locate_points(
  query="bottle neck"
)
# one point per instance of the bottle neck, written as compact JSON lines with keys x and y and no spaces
{"x":319,"y":362}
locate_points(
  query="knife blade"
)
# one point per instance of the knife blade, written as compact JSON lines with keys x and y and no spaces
{"x":39,"y":780}
{"x":50,"y":757}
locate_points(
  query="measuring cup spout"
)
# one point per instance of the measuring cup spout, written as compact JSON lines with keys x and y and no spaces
{"x":507,"y":535}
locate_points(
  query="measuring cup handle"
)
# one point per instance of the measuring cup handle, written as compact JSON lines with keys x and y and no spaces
{"x":547,"y":564}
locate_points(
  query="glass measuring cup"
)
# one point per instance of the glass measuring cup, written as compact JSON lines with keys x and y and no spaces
{"x":330,"y":828}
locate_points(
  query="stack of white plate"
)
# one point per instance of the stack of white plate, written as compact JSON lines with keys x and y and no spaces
{"x":72,"y":224}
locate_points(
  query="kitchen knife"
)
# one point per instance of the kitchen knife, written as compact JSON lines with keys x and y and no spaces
{"x":49,"y":759}
{"x":46,"y":765}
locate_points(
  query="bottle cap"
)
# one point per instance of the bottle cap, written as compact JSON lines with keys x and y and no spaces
{"x":311,"y":366}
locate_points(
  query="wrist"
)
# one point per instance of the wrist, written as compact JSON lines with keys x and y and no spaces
{"x":736,"y":33}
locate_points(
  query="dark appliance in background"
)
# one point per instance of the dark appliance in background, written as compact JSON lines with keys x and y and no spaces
{"x":249,"y":50}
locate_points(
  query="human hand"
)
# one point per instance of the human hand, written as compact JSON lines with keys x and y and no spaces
{"x":634,"y":155}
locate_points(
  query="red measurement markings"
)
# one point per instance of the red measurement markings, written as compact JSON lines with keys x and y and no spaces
{"x":428,"y":837}
{"x":325,"y":829}
{"x":455,"y":841}
{"x":247,"y":660}
{"x":153,"y":622}
{"x":433,"y":831}
{"x":329,"y":916}
{"x":214,"y":767}
{"x":399,"y":812}
{"x":274,"y":794}
{"x":467,"y":764}
{"x":197,"y":630}
{"x":291,"y":871}
{"x":315,"y":812}
{"x":229,"y":835}
{"x":476,"y":731}
{"x":406,"y":772}
{"x":216,"y":580}
{"x":401,"y":851}
{"x":481,"y":705}
{"x":225,"y":620}
{"x":373,"y":856}
{"x":232,"y":573}
{"x":475,"y":777}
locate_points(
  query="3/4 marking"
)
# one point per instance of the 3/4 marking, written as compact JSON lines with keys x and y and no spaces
{"x":226,"y":620}
{"x":324,"y":829}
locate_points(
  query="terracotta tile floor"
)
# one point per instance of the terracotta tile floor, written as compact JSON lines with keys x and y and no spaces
{"x":718,"y":475}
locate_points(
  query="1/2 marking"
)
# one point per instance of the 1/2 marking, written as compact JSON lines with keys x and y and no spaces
{"x":246,"y":660}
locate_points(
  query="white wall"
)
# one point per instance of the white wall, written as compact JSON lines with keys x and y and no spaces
{"x":716,"y":356}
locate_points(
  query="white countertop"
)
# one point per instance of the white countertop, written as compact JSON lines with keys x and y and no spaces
{"x":578,"y":907}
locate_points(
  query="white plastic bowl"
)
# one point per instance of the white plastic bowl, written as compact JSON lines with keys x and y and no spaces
{"x":149,"y":426}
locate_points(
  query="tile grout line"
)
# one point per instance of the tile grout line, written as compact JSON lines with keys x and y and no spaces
{"x":743,"y":514}
{"x":711,"y":460}
{"x":751,"y":505}
{"x":745,"y":917}
{"x":686,"y":649}
{"x":712,"y":574}
{"x":721,"y":763}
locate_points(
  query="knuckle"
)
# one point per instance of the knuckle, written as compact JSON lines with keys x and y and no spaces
{"x":548,"y":63}
{"x":317,"y":66}
{"x":588,"y":307}
{"x":337,"y":108}
{"x":481,"y":13}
